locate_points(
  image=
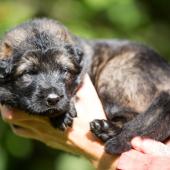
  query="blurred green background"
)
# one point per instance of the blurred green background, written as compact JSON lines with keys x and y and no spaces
{"x":146,"y":21}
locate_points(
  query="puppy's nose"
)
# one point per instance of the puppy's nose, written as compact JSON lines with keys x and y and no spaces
{"x":52,"y":99}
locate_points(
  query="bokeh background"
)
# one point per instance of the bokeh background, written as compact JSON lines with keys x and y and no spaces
{"x":146,"y":21}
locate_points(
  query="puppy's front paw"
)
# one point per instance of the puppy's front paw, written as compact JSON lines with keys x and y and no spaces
{"x":67,"y":122}
{"x":118,"y":144}
{"x":103,"y":129}
{"x":63,"y":121}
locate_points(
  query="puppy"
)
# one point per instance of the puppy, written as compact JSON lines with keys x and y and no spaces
{"x":42,"y":65}
{"x":39,"y":69}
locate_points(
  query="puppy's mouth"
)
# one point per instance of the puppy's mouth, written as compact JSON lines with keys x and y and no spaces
{"x":51,"y":112}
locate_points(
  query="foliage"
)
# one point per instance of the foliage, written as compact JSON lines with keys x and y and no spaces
{"x":144,"y":21}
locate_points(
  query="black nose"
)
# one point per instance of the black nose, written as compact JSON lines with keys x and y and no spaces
{"x":52,"y":99}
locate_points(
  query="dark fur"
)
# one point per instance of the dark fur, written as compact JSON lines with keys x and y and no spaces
{"x":41,"y":57}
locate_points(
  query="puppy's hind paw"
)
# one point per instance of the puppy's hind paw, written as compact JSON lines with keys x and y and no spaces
{"x":117,"y":145}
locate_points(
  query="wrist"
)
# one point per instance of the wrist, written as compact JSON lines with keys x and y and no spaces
{"x":88,"y":146}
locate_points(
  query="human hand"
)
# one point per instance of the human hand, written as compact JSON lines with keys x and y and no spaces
{"x":147,"y":154}
{"x":78,"y":139}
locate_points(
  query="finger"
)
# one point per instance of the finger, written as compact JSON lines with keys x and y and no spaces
{"x":14,"y":116}
{"x":133,"y":160}
{"x":159,"y":163}
{"x":6,"y":113}
{"x":24,"y":132}
{"x":167,"y":142}
{"x":10,"y":114}
{"x":150,"y":146}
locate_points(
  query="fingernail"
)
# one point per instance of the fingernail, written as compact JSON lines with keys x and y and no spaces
{"x":7,"y":114}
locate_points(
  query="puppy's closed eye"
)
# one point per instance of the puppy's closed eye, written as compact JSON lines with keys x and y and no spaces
{"x":26,"y":77}
{"x":68,"y":74}
{"x":77,"y":52}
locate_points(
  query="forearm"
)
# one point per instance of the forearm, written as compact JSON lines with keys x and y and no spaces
{"x":93,"y":150}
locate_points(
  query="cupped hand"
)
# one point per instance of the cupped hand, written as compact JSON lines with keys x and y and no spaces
{"x":78,"y":139}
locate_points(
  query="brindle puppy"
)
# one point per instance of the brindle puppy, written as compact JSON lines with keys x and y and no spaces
{"x":42,"y":65}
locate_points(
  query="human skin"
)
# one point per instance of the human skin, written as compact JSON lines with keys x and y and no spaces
{"x":147,"y":154}
{"x":78,"y":139}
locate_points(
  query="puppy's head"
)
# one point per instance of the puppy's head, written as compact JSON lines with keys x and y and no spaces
{"x":42,"y":81}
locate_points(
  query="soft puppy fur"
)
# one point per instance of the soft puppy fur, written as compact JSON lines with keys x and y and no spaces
{"x":42,"y":65}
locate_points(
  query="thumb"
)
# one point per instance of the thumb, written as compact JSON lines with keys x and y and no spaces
{"x":150,"y":146}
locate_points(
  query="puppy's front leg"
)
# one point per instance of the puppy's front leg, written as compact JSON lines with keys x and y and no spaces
{"x":65,"y":120}
{"x":154,"y":123}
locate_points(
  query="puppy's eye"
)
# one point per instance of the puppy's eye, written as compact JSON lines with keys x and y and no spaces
{"x":31,"y":72}
{"x":26,"y":76}
{"x":28,"y":73}
{"x":66,"y":72}
{"x":24,"y":79}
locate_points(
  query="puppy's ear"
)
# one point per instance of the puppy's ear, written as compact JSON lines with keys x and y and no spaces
{"x":5,"y":50}
{"x":5,"y":68}
{"x":76,"y":51}
{"x":80,"y":55}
